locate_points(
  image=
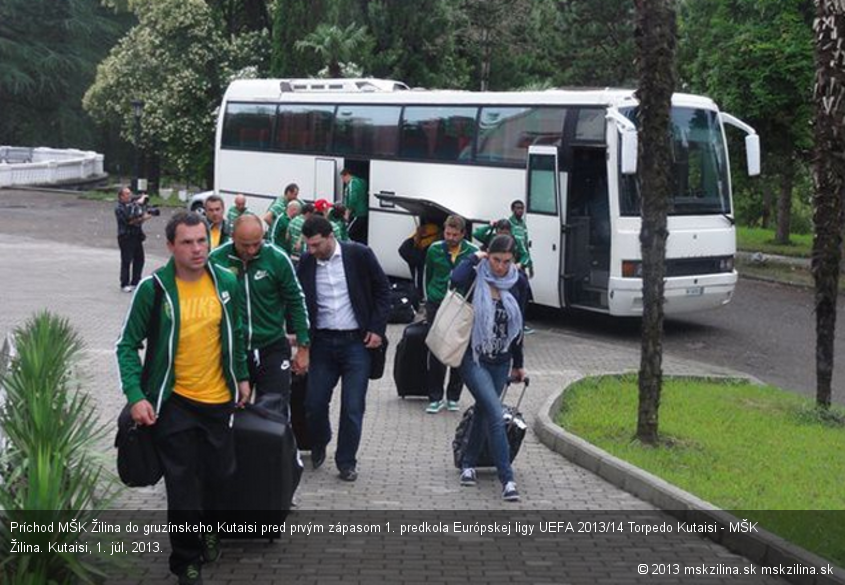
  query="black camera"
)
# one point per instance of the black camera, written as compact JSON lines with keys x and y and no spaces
{"x":144,"y":201}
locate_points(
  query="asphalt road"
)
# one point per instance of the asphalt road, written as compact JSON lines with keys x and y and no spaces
{"x":768,"y":330}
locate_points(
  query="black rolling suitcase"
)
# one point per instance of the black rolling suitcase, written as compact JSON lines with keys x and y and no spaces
{"x":298,"y":389}
{"x":268,"y":469}
{"x":409,"y":365}
{"x":515,"y":428}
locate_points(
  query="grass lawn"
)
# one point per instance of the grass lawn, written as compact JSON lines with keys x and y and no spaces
{"x":754,"y":450}
{"x":762,"y":240}
{"x":112,"y":196}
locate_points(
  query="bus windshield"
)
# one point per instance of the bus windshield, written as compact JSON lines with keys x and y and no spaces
{"x":699,"y":167}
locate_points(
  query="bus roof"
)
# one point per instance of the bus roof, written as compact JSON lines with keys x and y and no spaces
{"x":271,"y":90}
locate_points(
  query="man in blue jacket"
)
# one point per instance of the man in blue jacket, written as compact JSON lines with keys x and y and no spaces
{"x":348,"y":299}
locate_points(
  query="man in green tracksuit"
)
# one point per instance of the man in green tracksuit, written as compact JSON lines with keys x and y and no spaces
{"x":194,"y":369}
{"x":440,"y":259}
{"x":238,"y":209}
{"x":295,"y":243}
{"x":277,"y":208}
{"x":278,"y":233}
{"x":485,"y":233}
{"x":272,"y":299}
{"x":519,"y":229}
{"x":357,"y":204}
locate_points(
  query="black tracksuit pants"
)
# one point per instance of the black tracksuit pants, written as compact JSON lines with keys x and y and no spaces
{"x":436,"y":371}
{"x":270,"y":375}
{"x":197,"y":451}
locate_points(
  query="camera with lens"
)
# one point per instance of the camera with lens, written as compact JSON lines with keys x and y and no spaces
{"x":143,"y":201}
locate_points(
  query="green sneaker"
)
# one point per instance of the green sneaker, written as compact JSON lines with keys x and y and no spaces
{"x":435,"y":406}
{"x":191,"y":576}
{"x":452,"y":406}
{"x":210,"y":547}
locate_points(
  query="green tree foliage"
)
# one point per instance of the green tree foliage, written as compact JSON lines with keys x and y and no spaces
{"x":754,"y":57}
{"x":595,"y":43}
{"x":292,"y":21}
{"x":421,"y":51}
{"x":553,"y":43}
{"x":179,"y":63}
{"x":48,"y":54}
{"x":234,"y":17}
{"x":490,"y":26}
{"x":337,"y":46}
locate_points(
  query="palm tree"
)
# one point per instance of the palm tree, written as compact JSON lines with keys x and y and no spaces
{"x":656,"y":39}
{"x":335,"y":45}
{"x":829,"y":180}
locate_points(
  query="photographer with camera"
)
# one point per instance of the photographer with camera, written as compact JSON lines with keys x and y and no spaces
{"x":131,"y":212}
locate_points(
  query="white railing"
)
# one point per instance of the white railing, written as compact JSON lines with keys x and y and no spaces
{"x":45,"y":166}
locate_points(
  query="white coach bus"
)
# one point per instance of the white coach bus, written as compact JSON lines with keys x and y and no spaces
{"x":570,"y":155}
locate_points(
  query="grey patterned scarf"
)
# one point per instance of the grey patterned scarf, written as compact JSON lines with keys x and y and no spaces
{"x":483,"y":339}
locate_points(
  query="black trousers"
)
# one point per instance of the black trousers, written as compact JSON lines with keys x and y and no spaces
{"x":131,"y":254}
{"x":197,"y":450}
{"x":436,"y":371}
{"x":270,"y":374}
{"x":416,"y":263}
{"x":358,"y":229}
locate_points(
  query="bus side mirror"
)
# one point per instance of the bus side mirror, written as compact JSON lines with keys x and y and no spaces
{"x":752,"y":154}
{"x":629,"y":151}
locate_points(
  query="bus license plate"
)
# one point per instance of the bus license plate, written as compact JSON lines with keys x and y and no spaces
{"x":695,"y":291}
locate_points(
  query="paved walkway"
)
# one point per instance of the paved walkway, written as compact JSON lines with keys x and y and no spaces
{"x":405,"y":462}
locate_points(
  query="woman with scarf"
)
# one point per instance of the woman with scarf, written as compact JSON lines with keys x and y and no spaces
{"x":494,"y":353}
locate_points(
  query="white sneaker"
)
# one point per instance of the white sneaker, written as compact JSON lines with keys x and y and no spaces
{"x":468,"y":477}
{"x":509,"y":493}
{"x":127,"y":289}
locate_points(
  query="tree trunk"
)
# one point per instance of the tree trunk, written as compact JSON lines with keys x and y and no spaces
{"x":486,"y":58}
{"x":153,"y":160}
{"x":787,"y":179}
{"x":828,"y":179}
{"x":656,"y":41}
{"x":766,"y":216}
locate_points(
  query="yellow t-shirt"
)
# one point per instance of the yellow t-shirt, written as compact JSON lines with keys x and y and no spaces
{"x":454,"y":252}
{"x":215,"y":236}
{"x":199,"y":371}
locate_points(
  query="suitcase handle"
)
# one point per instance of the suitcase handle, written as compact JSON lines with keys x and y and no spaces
{"x":526,"y":381}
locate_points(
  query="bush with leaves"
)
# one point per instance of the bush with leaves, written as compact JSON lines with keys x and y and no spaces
{"x":50,"y":469}
{"x":179,"y":63}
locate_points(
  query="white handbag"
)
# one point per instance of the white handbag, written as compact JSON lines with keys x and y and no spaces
{"x":449,"y":334}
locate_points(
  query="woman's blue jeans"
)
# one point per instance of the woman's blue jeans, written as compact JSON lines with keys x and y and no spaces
{"x":486,"y":381}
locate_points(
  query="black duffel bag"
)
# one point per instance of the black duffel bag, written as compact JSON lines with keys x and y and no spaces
{"x":138,"y":464}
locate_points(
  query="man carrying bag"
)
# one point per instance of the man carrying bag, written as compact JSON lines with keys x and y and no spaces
{"x":197,"y":370}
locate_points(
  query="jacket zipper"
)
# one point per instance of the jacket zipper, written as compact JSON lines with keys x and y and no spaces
{"x":169,"y":345}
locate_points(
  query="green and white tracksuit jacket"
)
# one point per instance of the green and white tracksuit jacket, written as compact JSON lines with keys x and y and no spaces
{"x":270,"y":294}
{"x":159,"y":384}
{"x":439,"y":266}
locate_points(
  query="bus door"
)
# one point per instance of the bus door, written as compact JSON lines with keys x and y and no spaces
{"x":545,"y":211}
{"x":325,"y":179}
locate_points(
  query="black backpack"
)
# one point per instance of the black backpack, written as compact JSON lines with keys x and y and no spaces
{"x":403,"y":303}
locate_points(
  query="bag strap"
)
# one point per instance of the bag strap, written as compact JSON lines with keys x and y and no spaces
{"x":153,"y":326}
{"x":471,"y":288}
